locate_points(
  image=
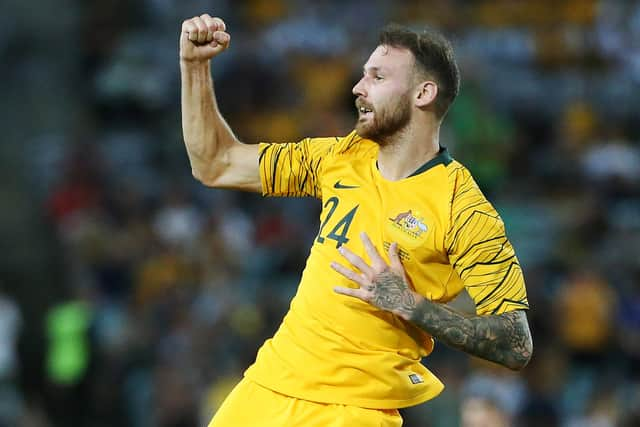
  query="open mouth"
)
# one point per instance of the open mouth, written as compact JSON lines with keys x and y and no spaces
{"x":365,"y":113}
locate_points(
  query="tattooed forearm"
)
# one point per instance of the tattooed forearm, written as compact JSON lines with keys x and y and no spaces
{"x":504,"y":339}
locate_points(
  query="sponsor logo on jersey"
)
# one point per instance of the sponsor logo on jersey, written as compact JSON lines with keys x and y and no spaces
{"x":340,"y":186}
{"x":410,"y":223}
{"x":415,"y":379}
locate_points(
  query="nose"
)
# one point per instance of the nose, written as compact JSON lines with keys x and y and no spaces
{"x":358,"y":89}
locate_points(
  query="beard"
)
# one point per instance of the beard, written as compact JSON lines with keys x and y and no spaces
{"x":386,"y":122}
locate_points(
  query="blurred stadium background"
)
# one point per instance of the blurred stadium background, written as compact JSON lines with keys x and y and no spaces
{"x":132,"y":296}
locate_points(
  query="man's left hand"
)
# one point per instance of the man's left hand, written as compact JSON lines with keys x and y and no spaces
{"x":382,"y":285}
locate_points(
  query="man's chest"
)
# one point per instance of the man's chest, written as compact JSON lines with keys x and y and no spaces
{"x":413,"y":213}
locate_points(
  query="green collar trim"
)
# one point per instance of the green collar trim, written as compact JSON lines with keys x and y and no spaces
{"x":443,"y":157}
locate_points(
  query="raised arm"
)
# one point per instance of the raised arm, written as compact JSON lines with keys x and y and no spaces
{"x":217,"y":157}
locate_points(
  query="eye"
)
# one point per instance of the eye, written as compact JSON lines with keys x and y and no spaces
{"x":378,"y":78}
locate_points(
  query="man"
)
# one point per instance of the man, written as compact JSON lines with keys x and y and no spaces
{"x":408,"y":221}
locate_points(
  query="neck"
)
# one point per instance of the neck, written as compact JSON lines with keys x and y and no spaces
{"x":408,"y":149}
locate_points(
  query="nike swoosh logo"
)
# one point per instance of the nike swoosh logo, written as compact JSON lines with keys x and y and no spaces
{"x":339,"y":186}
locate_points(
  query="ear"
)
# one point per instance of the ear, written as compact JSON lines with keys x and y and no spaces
{"x":427,"y":92}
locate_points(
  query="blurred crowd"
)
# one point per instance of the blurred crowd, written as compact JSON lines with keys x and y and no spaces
{"x":151,"y":293}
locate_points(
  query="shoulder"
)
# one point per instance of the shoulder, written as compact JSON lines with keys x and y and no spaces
{"x":466,"y":197}
{"x":320,"y":148}
{"x":462,"y":185}
{"x":333,"y":147}
{"x":354,"y":144}
{"x":459,"y":176}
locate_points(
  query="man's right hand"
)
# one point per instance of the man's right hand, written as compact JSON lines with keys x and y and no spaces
{"x":202,"y":38}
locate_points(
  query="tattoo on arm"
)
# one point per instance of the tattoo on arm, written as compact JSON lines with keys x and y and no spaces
{"x":391,"y":293}
{"x":504,"y":338}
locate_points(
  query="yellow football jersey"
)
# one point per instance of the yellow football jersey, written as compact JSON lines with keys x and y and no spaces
{"x":337,"y":349}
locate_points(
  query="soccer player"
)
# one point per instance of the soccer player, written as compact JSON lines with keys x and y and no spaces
{"x":404,"y":229}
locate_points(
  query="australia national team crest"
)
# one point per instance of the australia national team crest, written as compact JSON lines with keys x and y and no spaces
{"x":409,"y":223}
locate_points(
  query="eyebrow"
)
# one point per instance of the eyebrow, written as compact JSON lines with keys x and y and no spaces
{"x":374,"y":69}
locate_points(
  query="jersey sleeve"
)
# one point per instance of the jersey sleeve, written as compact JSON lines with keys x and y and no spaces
{"x":294,"y":169}
{"x":480,"y":252}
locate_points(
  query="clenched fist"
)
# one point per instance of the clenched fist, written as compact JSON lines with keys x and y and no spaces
{"x":202,"y":38}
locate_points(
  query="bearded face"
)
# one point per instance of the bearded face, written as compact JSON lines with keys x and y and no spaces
{"x":380,"y":122}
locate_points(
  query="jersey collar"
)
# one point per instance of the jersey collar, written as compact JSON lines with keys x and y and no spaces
{"x":443,"y":157}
